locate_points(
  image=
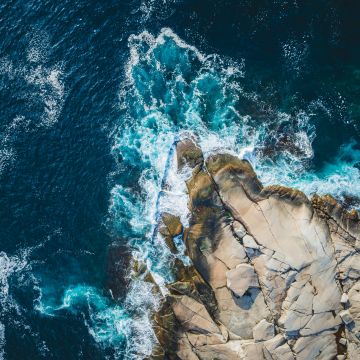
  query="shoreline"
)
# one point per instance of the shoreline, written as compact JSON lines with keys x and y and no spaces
{"x":274,"y":275}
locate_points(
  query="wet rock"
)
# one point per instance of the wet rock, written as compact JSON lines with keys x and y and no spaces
{"x":166,"y":328}
{"x":189,"y":282}
{"x":188,"y":154}
{"x":169,"y":227}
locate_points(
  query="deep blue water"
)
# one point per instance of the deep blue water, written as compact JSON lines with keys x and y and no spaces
{"x":93,"y":95}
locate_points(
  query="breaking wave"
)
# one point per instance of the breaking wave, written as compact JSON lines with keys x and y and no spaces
{"x":172,"y":89}
{"x":122,"y":328}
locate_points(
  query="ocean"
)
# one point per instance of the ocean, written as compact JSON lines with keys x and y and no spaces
{"x":93,"y":95}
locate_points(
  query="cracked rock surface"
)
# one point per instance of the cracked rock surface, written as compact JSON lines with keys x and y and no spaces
{"x":274,"y":275}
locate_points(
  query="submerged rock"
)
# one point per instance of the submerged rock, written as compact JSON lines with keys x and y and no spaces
{"x":274,"y":276}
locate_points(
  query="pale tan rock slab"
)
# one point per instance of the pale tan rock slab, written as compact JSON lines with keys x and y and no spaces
{"x":240,"y":279}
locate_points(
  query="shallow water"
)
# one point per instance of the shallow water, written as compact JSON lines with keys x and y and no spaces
{"x":93,"y":96}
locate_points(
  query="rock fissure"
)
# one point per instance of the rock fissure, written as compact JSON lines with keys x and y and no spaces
{"x":333,"y":219}
{"x":248,"y":258}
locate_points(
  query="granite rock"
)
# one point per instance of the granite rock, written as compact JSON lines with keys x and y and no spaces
{"x":274,"y":275}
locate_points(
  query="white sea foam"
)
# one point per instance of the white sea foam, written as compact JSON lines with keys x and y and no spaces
{"x":140,"y":303}
{"x":7,"y":67}
{"x":156,"y":9}
{"x":339,"y":178}
{"x":47,"y":79}
{"x":295,"y":53}
{"x":41,"y":83}
{"x":11,"y":267}
{"x":7,"y":156}
{"x":112,"y":324}
{"x":38,"y":48}
{"x":7,"y":152}
{"x":17,"y":268}
{"x":2,"y":341}
{"x":50,"y":89}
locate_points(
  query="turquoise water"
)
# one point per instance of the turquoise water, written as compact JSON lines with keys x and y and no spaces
{"x":93,"y":98}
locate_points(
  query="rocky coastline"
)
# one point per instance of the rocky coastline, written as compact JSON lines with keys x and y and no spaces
{"x":274,"y":274}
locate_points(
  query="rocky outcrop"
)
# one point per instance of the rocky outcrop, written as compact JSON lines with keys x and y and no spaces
{"x":274,"y":275}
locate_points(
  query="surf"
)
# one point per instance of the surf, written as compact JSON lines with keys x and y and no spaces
{"x":171,"y":89}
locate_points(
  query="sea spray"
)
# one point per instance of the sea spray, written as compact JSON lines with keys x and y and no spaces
{"x":172,"y":89}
